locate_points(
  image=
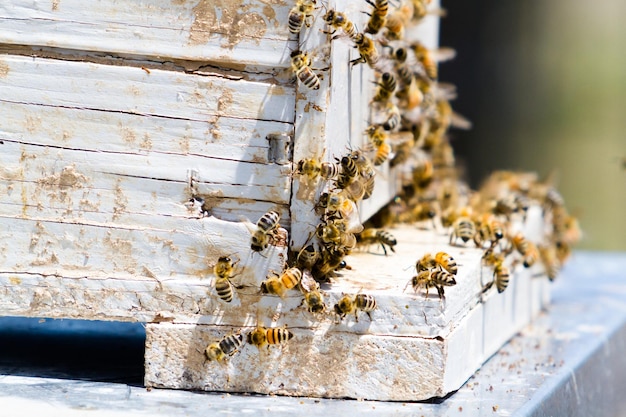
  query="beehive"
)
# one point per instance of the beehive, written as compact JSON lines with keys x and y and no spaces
{"x":138,"y":137}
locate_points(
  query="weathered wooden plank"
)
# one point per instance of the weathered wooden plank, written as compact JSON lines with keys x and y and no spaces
{"x":105,"y":131}
{"x":124,"y":273}
{"x":160,"y":93}
{"x":228,"y":32}
{"x":54,"y":183}
{"x":325,"y":360}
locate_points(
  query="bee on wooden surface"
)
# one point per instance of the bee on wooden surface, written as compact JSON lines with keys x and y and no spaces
{"x":356,"y":191}
{"x":376,"y":134}
{"x":368,"y":187}
{"x":550,"y":261}
{"x":348,"y":174}
{"x":300,"y":15}
{"x":463,"y":228}
{"x":347,"y":305}
{"x":526,"y":248}
{"x":314,"y":301}
{"x":279,"y":284}
{"x":338,"y":20}
{"x":420,"y":212}
{"x":396,"y":23}
{"x":371,"y":236}
{"x":489,"y":229}
{"x":378,"y":17}
{"x":267,"y":224}
{"x":423,"y":174}
{"x":312,"y":168}
{"x":301,"y":66}
{"x":429,"y":58}
{"x":223,"y":270}
{"x":393,"y":117}
{"x":262,"y":336}
{"x":339,"y":205}
{"x":335,"y":235}
{"x":442,"y":259}
{"x":307,"y":257}
{"x":379,"y":139}
{"x":227,"y":346}
{"x":433,"y":278}
{"x":367,"y":50}
{"x":386,"y":87}
{"x":330,"y":261}
{"x":501,"y":274}
{"x":410,"y":96}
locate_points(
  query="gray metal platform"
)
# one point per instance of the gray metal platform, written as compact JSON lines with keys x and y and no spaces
{"x":570,"y":362}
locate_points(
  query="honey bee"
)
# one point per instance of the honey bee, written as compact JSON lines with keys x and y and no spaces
{"x":347,"y":305}
{"x":420,"y":212}
{"x":344,"y":306}
{"x":262,"y":336}
{"x":300,"y":15}
{"x":442,"y":259}
{"x":525,"y":248}
{"x":356,"y":190}
{"x":382,"y":154}
{"x":266,"y":225}
{"x":393,"y":117}
{"x":463,"y":228}
{"x":334,"y":234}
{"x":367,"y":50}
{"x":301,"y":66}
{"x":433,"y":278}
{"x":423,"y":174}
{"x":386,"y":87}
{"x":338,"y":205}
{"x":489,"y":229}
{"x":307,"y":257}
{"x":550,"y":261}
{"x":429,"y":59}
{"x":338,"y":20}
{"x":370,"y":236}
{"x":313,"y":168}
{"x":501,"y":274}
{"x":223,"y":270}
{"x":227,"y":346}
{"x":314,"y":301}
{"x":410,"y":96}
{"x":395,"y":24}
{"x":349,"y":171}
{"x":330,"y":261}
{"x":378,"y":17}
{"x":279,"y":284}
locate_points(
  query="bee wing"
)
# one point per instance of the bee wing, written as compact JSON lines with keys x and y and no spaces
{"x":443,"y":54}
{"x":252,"y":228}
{"x":400,"y":138}
{"x":307,"y":282}
{"x":459,"y":121}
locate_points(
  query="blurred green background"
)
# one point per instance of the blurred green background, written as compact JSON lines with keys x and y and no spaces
{"x":544,"y":84}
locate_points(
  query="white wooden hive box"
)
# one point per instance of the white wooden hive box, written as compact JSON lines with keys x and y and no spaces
{"x":119,"y":117}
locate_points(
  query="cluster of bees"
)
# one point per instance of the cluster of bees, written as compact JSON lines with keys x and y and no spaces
{"x":410,"y":117}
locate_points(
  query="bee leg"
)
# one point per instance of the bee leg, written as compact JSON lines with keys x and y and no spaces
{"x":442,"y":296}
{"x":384,"y":249}
{"x":369,"y":315}
{"x":356,"y":316}
{"x":358,"y":60}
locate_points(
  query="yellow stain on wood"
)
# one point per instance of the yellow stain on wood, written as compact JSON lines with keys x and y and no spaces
{"x":15,"y":280}
{"x":4,"y":69}
{"x":226,"y":18}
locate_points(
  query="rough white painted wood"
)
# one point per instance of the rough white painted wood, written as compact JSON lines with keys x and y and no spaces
{"x":111,"y":174}
{"x":100,"y":271}
{"x":414,"y":347}
{"x":229,"y":32}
